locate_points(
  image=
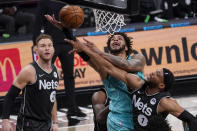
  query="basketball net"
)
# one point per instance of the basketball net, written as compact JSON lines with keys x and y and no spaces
{"x":108,"y":21}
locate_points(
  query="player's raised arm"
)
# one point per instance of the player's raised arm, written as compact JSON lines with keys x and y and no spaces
{"x":171,"y":106}
{"x":104,"y":65}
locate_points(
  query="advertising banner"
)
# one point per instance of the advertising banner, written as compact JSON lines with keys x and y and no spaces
{"x":173,"y":48}
{"x":13,"y":57}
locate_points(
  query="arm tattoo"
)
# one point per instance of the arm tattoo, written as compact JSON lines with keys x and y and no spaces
{"x":123,"y":63}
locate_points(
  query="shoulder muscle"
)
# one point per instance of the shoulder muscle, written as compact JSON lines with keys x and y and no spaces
{"x":26,"y":75}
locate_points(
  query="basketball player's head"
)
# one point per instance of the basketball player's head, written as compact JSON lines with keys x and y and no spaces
{"x":44,"y":47}
{"x":163,"y":79}
{"x":119,"y":42}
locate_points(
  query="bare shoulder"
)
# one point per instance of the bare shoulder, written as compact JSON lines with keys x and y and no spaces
{"x":99,"y":94}
{"x":98,"y":97}
{"x":28,"y":70}
{"x":171,"y":106}
{"x":138,"y":56}
{"x":26,"y":75}
{"x":168,"y":104}
{"x":167,"y":100}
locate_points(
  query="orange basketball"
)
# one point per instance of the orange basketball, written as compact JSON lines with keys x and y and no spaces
{"x":71,"y":16}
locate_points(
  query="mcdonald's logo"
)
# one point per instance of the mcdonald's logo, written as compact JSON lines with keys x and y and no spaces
{"x":10,"y":66}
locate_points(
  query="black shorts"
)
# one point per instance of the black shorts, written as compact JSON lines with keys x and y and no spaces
{"x":24,"y":124}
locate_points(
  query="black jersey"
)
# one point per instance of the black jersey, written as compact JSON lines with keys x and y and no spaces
{"x":39,"y":97}
{"x":98,"y":126}
{"x":145,"y":106}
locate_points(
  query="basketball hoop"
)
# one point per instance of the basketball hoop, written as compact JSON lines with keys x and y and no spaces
{"x":108,"y":21}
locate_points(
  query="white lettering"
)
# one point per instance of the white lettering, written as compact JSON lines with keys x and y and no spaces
{"x":47,"y":84}
{"x":141,"y":106}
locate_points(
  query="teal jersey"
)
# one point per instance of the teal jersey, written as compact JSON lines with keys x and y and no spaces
{"x":120,"y":102}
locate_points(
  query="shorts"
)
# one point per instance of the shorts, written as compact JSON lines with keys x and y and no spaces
{"x":111,"y":126}
{"x":24,"y":124}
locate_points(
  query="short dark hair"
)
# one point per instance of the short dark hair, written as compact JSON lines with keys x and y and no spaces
{"x":43,"y":36}
{"x":168,"y":79}
{"x":127,"y":39}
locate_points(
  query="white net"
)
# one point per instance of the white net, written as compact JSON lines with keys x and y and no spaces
{"x":108,"y":21}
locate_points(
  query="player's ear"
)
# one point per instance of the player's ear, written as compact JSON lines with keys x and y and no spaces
{"x":126,"y":47}
{"x":162,"y":86}
{"x":35,"y":48}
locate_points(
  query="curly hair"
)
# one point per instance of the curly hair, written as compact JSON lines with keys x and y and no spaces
{"x":127,"y":39}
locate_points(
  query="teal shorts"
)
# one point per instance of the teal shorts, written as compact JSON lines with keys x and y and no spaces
{"x":111,"y":126}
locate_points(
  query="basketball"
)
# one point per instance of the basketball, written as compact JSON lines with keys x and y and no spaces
{"x":71,"y":17}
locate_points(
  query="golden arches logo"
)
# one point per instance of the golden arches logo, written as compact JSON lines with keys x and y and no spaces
{"x":3,"y":68}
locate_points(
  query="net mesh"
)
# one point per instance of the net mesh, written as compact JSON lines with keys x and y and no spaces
{"x":108,"y":21}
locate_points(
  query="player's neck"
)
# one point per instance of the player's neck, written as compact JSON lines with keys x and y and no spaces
{"x":45,"y":65}
{"x":151,"y":91}
{"x":122,"y":54}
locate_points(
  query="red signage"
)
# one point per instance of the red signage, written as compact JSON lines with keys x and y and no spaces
{"x":10,"y":66}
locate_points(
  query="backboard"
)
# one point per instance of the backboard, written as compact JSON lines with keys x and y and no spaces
{"x":127,"y":7}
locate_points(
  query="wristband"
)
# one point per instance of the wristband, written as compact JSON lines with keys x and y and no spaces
{"x":84,"y":56}
{"x":54,"y":123}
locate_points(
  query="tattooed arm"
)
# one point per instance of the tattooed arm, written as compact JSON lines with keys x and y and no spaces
{"x":132,"y":80}
{"x":137,"y":62}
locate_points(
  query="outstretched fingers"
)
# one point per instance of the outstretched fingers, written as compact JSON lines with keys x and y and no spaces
{"x":70,"y":42}
{"x":78,"y":46}
{"x":88,"y":43}
{"x":72,"y":51}
{"x":48,"y":17}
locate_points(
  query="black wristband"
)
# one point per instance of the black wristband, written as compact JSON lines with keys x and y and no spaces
{"x":84,"y":56}
{"x":68,"y":33}
{"x":186,"y":116}
{"x":55,"y":122}
{"x":9,"y":101}
{"x":190,"y":119}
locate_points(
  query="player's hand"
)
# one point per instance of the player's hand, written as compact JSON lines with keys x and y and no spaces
{"x":54,"y":127}
{"x":53,"y":21}
{"x":77,"y":45}
{"x":6,"y":125}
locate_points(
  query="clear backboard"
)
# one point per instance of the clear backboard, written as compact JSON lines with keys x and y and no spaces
{"x":109,"y":14}
{"x":129,"y":7}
